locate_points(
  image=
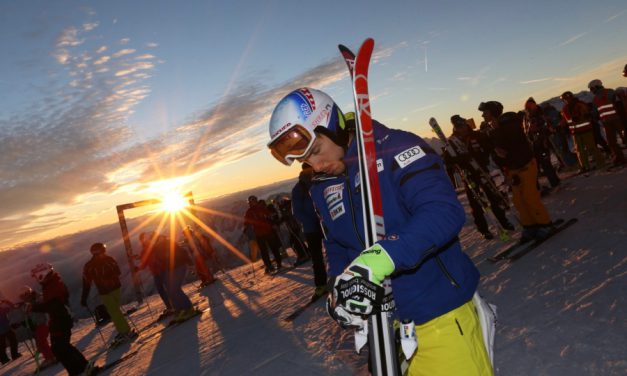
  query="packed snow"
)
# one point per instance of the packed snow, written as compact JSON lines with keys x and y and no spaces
{"x":561,"y":308}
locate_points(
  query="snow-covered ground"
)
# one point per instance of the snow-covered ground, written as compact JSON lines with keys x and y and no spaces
{"x":561,"y":308}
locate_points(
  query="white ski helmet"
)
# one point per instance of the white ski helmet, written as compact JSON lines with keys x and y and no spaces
{"x":41,"y":271}
{"x":295,"y":119}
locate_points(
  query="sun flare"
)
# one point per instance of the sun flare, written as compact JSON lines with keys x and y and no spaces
{"x":173,"y":202}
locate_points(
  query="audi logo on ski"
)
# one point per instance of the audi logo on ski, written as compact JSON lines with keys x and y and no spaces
{"x":406,"y":157}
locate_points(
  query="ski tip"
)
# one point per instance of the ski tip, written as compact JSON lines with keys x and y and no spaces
{"x":432,"y":121}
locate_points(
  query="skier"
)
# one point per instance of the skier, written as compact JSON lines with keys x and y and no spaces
{"x":605,"y":103}
{"x":54,"y":302}
{"x":479,"y":147}
{"x":36,"y":322}
{"x":258,"y":217}
{"x":512,"y":146}
{"x":576,"y":116}
{"x":150,"y":259}
{"x":432,"y":280}
{"x":104,"y":272}
{"x":305,"y":213}
{"x":201,"y":250}
{"x":7,"y":333}
{"x":538,"y":134}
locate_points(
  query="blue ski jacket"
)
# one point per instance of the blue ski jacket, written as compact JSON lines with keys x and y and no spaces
{"x":422,"y":220}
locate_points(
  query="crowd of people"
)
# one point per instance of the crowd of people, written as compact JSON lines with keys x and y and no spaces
{"x":39,"y":316}
{"x":524,"y":145}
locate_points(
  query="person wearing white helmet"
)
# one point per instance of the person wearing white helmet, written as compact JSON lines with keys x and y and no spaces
{"x":103,"y":271}
{"x":605,"y":102}
{"x":432,"y":279}
{"x":54,"y":302}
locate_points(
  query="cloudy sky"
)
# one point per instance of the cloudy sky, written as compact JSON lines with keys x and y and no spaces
{"x":104,"y":103}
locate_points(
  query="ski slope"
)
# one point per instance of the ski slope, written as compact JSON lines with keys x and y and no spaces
{"x":561,"y":308}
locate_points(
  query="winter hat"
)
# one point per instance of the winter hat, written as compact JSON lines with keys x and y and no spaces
{"x":458,"y":121}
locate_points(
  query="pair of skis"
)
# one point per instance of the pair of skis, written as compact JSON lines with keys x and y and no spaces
{"x":517,"y":251}
{"x":383,"y":355}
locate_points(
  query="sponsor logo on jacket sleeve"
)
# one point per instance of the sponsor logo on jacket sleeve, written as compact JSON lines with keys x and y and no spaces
{"x":407,"y":157}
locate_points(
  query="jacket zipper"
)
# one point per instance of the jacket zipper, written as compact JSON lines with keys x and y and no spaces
{"x":446,"y":272}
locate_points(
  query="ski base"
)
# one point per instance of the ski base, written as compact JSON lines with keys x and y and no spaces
{"x":537,"y":243}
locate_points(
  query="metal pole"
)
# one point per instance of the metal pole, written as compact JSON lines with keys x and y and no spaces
{"x":129,"y":255}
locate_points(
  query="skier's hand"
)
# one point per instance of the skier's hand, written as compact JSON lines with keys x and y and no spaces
{"x":358,"y":289}
{"x":344,"y":318}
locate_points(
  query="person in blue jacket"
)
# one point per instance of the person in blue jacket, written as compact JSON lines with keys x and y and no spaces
{"x":433,"y":281}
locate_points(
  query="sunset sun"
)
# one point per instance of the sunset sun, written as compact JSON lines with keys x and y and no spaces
{"x":173,"y":202}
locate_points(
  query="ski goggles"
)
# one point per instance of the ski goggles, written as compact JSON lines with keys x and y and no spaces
{"x":292,"y":144}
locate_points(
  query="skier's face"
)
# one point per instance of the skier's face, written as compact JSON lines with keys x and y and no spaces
{"x":325,"y":156}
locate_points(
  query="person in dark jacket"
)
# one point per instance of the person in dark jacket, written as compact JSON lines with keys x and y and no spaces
{"x":104,"y":272}
{"x":479,"y":148}
{"x":305,"y":213}
{"x":7,"y":333}
{"x":538,"y":134}
{"x":174,"y":260}
{"x":54,"y":302}
{"x":514,"y":149}
{"x":432,"y":280}
{"x":151,"y":260}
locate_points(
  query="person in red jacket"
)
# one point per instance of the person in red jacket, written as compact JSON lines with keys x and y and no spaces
{"x":104,"y":272}
{"x":258,"y":216}
{"x":54,"y":302}
{"x":577,"y":117}
{"x":605,"y":103}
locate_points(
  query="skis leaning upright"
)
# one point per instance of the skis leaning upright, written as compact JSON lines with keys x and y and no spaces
{"x":381,"y":335}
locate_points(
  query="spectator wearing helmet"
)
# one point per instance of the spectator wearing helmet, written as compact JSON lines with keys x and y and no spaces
{"x":512,"y":145}
{"x":433,"y":281}
{"x":578,"y":118}
{"x":103,"y":271}
{"x":54,"y":302}
{"x":605,"y":102}
{"x":259,"y":218}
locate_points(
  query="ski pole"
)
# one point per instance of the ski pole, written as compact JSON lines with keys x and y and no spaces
{"x":91,"y":313}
